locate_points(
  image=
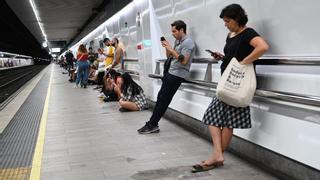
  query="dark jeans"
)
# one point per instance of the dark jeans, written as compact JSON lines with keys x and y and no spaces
{"x":110,"y":96}
{"x":100,"y":77}
{"x":170,"y":85}
{"x":69,"y":67}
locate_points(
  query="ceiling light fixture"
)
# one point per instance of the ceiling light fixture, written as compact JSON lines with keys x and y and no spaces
{"x":35,"y":11}
{"x":45,"y":44}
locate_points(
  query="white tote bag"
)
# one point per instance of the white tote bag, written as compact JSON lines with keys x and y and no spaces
{"x":237,"y":84}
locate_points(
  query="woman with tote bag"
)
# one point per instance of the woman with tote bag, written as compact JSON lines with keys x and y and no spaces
{"x":245,"y":45}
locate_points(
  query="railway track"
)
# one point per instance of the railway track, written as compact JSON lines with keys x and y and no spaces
{"x":12,"y":79}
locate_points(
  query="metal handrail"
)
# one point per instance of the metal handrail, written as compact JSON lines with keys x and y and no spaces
{"x":131,"y":72}
{"x":197,"y":60}
{"x":130,"y":60}
{"x":265,"y":61}
{"x":287,"y":62}
{"x":291,"y":97}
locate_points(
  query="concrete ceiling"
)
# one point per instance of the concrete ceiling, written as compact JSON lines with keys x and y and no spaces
{"x":64,"y":20}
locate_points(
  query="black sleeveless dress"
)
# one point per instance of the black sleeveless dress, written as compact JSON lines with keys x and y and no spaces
{"x":218,"y":113}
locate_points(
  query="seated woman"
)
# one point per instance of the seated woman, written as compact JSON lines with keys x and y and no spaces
{"x":107,"y":92}
{"x":92,"y":75}
{"x":131,"y":94}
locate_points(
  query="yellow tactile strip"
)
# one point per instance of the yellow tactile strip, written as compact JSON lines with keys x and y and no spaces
{"x":21,"y":173}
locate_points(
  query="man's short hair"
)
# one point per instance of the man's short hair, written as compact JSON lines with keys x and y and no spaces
{"x":105,"y":40}
{"x":180,"y":24}
{"x":116,"y":39}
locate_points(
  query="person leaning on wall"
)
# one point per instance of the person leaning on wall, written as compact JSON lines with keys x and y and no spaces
{"x":181,"y":54}
{"x":246,"y":45}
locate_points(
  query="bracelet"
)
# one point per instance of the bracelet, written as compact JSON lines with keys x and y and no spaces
{"x":181,"y":57}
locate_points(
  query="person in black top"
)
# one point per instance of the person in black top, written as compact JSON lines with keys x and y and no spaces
{"x":92,"y":56}
{"x":246,"y":45}
{"x":69,"y":58}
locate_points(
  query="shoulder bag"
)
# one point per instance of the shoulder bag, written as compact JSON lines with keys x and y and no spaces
{"x":237,"y":84}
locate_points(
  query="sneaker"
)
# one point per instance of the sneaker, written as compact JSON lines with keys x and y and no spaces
{"x":147,"y":129}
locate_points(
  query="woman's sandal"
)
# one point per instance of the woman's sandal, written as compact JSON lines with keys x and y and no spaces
{"x":201,"y":168}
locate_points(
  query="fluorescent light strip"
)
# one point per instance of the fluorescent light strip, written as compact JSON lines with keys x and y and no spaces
{"x":125,"y":9}
{"x":35,"y":11}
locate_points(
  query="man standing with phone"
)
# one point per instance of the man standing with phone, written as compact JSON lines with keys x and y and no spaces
{"x":182,"y":54}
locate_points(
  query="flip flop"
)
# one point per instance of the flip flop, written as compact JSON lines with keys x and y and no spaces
{"x":197,"y":165}
{"x":201,"y":168}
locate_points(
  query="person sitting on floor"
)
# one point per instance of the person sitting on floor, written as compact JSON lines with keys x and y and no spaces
{"x":131,"y":94}
{"x":107,"y":92}
{"x":92,"y":75}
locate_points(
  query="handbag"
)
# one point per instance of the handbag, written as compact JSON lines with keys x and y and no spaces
{"x":237,"y":84}
{"x":166,"y":65}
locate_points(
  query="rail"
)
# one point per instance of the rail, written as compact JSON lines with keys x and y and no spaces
{"x":133,"y":73}
{"x":314,"y":61}
{"x":208,"y":61}
{"x":196,"y":60}
{"x":291,"y":97}
{"x":288,"y":61}
{"x":130,"y":60}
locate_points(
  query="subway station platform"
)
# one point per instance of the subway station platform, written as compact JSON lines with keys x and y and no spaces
{"x":61,"y":132}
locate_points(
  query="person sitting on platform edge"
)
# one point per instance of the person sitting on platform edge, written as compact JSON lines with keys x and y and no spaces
{"x":247,"y":46}
{"x":182,"y":54}
{"x":131,"y":94}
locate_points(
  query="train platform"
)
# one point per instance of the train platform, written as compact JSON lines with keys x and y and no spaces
{"x":61,"y":132}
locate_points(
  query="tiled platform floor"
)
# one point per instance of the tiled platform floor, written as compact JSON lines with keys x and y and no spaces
{"x":89,"y":139}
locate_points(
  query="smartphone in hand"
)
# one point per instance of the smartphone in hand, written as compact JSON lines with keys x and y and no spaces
{"x":214,"y":54}
{"x":162,"y":39}
{"x":211,"y":52}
